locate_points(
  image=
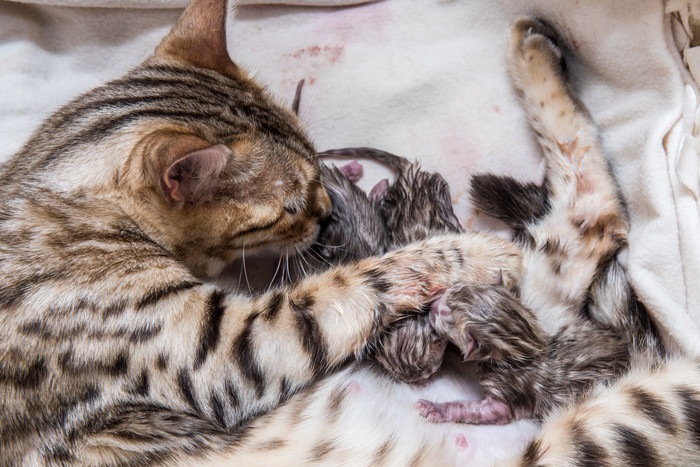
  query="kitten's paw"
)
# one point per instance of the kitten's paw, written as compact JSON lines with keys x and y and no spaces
{"x":433,"y":411}
{"x":353,"y":170}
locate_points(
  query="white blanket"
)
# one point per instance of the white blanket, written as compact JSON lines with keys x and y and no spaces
{"x":427,"y":79}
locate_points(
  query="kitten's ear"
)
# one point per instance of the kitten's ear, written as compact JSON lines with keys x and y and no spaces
{"x":194,"y":176}
{"x":199,"y":38}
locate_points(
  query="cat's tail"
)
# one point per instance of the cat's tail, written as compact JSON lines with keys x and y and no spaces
{"x":614,"y":305}
{"x":648,"y":417}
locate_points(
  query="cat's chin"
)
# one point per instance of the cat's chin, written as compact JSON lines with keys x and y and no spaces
{"x":267,"y":266}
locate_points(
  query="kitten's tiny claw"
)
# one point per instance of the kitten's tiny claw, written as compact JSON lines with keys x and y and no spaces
{"x":431,"y":411}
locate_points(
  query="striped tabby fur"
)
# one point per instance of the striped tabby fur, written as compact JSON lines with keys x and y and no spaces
{"x":117,"y":349}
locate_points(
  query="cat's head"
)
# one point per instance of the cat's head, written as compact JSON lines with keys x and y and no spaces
{"x":195,"y":151}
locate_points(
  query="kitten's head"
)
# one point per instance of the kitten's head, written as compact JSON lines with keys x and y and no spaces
{"x":193,"y":150}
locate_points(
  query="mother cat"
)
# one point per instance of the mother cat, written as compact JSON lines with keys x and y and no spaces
{"x":116,"y":349}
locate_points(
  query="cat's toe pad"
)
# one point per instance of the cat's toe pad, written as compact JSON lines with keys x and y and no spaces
{"x":431,"y":411}
{"x":536,"y":46}
{"x":525,"y":28}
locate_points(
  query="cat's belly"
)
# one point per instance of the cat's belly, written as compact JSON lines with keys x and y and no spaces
{"x":358,"y":417}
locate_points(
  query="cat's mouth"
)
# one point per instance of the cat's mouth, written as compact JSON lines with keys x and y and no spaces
{"x":296,"y":245}
{"x":267,"y":266}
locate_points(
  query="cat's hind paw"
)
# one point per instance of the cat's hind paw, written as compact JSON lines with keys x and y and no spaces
{"x":534,"y":40}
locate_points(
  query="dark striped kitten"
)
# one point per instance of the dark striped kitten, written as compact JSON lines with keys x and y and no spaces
{"x":116,"y":347}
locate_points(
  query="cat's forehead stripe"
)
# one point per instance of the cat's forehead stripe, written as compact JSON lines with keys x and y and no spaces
{"x":214,"y":106}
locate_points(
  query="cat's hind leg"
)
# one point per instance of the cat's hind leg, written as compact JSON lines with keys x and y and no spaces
{"x":575,"y":160}
{"x":578,"y":176}
{"x":585,"y":222}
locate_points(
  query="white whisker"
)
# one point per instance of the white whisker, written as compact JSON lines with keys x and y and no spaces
{"x":312,"y":268}
{"x":245,"y":272}
{"x":289,"y":272}
{"x":299,"y":258}
{"x":320,"y":258}
{"x":274,"y":276}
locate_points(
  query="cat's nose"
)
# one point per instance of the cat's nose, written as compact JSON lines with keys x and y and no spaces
{"x":322,"y":203}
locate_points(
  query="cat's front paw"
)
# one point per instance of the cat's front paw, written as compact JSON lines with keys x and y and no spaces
{"x":491,"y":261}
{"x":413,"y":276}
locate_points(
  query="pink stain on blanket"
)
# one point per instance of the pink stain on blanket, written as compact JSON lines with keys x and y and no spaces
{"x":331,"y":53}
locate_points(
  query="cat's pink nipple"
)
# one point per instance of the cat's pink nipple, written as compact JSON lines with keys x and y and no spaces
{"x":354,"y":388}
{"x":461,"y":441}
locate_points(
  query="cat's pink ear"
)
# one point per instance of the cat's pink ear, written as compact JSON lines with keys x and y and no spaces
{"x":199,"y":38}
{"x":194,"y":177}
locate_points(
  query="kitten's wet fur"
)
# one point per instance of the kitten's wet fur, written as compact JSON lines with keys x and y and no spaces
{"x":416,"y":205}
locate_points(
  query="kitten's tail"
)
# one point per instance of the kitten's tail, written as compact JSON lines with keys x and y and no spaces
{"x":396,"y":163}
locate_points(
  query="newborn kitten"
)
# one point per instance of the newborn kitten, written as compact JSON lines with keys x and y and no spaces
{"x":414,"y":207}
{"x":524,"y":371}
{"x":356,"y":228}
